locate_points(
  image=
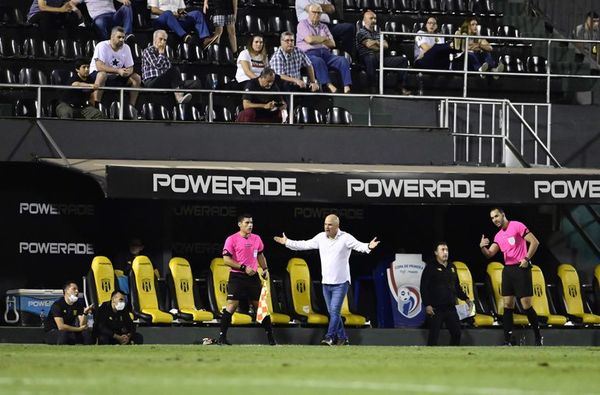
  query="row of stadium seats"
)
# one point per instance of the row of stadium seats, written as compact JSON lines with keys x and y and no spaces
{"x":290,"y":301}
{"x":570,"y":291}
{"x":293,"y":299}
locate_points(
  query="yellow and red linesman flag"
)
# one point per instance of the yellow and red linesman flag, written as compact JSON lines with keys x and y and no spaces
{"x":263,"y":308}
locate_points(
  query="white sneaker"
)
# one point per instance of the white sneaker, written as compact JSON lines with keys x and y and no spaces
{"x":484,"y":67}
{"x":182,"y":98}
{"x":498,"y":69}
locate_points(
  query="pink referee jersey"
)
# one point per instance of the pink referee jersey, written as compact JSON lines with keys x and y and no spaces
{"x":244,"y":250}
{"x":512,"y":242}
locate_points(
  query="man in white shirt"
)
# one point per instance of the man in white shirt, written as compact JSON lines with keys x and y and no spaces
{"x":334,"y":247}
{"x":112,"y":65}
{"x":343,"y":33}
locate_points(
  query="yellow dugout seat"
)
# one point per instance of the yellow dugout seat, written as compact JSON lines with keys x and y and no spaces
{"x":144,"y":296}
{"x":181,"y":284}
{"x":351,"y":319}
{"x":298,"y":287}
{"x":217,"y":291}
{"x":570,"y":288}
{"x":540,"y":299}
{"x":276,"y":318}
{"x":466,"y":282}
{"x":596,"y":287}
{"x":494,"y":272}
{"x":100,"y":280}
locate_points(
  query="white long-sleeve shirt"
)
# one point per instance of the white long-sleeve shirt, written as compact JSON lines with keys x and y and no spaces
{"x":334,"y":253}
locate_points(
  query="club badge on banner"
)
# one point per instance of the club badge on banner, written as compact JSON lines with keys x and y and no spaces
{"x":404,"y":279}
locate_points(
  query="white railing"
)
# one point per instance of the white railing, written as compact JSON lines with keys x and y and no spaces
{"x":548,"y":75}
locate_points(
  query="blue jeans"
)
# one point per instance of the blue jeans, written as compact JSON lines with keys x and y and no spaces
{"x":334,"y":298}
{"x":322,"y":59}
{"x":123,"y":17}
{"x":183,"y":25}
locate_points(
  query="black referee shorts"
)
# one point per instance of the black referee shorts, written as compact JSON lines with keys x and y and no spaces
{"x":516,"y":281}
{"x":243,"y":287}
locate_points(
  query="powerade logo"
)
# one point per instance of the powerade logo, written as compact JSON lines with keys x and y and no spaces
{"x":190,"y":210}
{"x":322,"y":212}
{"x":40,"y":303}
{"x":563,"y":189}
{"x":55,"y":209}
{"x":225,"y":185}
{"x":409,"y":301}
{"x":416,"y":188}
{"x":52,"y":248}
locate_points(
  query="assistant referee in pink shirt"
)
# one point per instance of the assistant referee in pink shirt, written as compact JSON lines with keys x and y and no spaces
{"x":243,"y":252}
{"x":512,"y":239}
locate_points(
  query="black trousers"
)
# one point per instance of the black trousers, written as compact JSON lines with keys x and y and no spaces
{"x":171,"y":79}
{"x":371,"y":63}
{"x":50,"y":23}
{"x":56,"y":337}
{"x":444,"y":316}
{"x":135,"y":339}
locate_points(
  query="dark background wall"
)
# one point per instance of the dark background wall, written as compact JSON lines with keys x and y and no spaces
{"x":565,"y":15}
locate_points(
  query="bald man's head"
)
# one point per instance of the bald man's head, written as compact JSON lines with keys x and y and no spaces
{"x":331,"y":225}
{"x":369,"y":20}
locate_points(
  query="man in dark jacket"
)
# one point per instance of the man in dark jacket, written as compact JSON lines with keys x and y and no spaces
{"x":113,"y":324}
{"x":439,"y":289}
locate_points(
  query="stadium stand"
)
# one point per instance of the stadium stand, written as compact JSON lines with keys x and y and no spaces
{"x":144,"y":295}
{"x":494,"y":281}
{"x":466,"y":282}
{"x":541,"y":302}
{"x":570,"y":291}
{"x":217,"y":292}
{"x":181,"y":285}
{"x":298,"y":289}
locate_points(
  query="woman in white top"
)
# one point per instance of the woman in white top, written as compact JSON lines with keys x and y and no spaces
{"x":432,"y":52}
{"x":251,"y":61}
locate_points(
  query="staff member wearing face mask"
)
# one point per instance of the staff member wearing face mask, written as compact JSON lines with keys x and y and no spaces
{"x":67,"y":323}
{"x":113,"y":324}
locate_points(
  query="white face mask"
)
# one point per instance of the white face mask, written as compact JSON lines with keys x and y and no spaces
{"x":73,"y":298}
{"x":120,"y":306}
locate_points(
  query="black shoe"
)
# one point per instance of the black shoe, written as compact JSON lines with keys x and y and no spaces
{"x":342,"y":342}
{"x":327,"y":342}
{"x":223,"y":342}
{"x":271,"y":340}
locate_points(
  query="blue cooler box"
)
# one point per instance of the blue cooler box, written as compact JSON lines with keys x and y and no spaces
{"x":28,"y":307}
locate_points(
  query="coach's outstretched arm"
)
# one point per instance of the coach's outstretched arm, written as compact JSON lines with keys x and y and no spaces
{"x":298,"y":245}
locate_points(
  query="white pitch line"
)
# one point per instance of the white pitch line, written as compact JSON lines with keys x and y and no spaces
{"x":280,"y":383}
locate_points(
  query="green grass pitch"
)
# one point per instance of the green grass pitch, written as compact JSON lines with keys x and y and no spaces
{"x":288,"y":370}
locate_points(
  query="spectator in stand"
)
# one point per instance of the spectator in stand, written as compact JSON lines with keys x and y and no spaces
{"x":224,"y":15}
{"x":589,"y":30}
{"x":432,"y":52}
{"x":79,"y":102}
{"x":367,"y":45}
{"x":105,"y":16}
{"x":315,"y":39}
{"x":287,"y":62}
{"x":112,"y":65}
{"x":171,"y":14}
{"x":479,"y":52}
{"x":52,"y":16}
{"x":157,"y":71}
{"x":262,"y":108}
{"x":343,"y":33}
{"x":252,"y":60}
{"x":67,"y":321}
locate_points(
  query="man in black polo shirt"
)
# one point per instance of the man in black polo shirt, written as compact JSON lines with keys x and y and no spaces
{"x":77,"y":102}
{"x":262,"y":108}
{"x":367,"y":45}
{"x":439,"y":289}
{"x":113,"y":324}
{"x":67,"y":323}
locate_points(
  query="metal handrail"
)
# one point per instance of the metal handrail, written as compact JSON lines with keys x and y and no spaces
{"x":548,"y":74}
